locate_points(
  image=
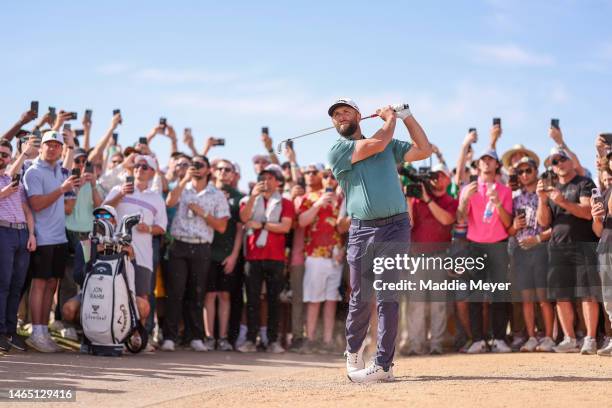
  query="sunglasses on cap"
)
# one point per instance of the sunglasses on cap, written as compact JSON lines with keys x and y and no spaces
{"x":105,"y":216}
{"x":528,"y":171}
{"x":561,"y":159}
{"x":143,"y":166}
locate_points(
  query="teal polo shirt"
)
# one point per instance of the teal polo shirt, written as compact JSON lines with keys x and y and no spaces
{"x":372,"y":186}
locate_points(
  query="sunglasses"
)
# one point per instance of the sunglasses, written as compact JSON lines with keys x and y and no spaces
{"x":561,"y":159}
{"x":198,"y":165}
{"x":80,"y":160}
{"x":105,"y":216}
{"x":311,"y":172}
{"x":329,"y":176}
{"x":117,"y":161}
{"x":224,"y":169}
{"x":142,"y":166}
{"x":183,"y":165}
{"x":5,"y":155}
{"x":525,"y":171}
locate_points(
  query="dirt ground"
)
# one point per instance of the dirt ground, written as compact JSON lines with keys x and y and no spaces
{"x":216,"y":379}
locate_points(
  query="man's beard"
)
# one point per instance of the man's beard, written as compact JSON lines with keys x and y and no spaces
{"x":3,"y":165}
{"x":348,"y":130}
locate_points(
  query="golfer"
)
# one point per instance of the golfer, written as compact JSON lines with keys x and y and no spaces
{"x":366,"y":169}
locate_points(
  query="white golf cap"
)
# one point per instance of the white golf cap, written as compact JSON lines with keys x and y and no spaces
{"x":342,"y":101}
{"x":108,"y":209}
{"x":52,"y":136}
{"x":150,"y":161}
{"x":440,"y":168}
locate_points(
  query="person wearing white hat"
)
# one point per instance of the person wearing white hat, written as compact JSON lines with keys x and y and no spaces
{"x":366,"y":169}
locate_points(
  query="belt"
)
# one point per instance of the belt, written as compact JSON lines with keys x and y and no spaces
{"x":188,"y":240}
{"x":18,"y":225}
{"x":379,"y":222}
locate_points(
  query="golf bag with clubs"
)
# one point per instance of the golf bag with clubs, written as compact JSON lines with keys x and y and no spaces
{"x":109,"y":315}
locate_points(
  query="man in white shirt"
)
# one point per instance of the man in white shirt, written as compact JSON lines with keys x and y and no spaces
{"x":137,"y":197}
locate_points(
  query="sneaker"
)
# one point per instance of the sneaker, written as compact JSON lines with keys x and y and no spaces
{"x":436,"y":350}
{"x":275,"y":347}
{"x":224,"y":345}
{"x":500,"y":346}
{"x":354,"y":361}
{"x":568,"y":345}
{"x":546,"y":345}
{"x":308,"y":347}
{"x":530,"y":345}
{"x":606,"y":351}
{"x":247,"y":347}
{"x":69,"y":333}
{"x":167,"y":345}
{"x":478,"y":347}
{"x":18,"y":342}
{"x":150,"y":348}
{"x":5,"y":344}
{"x":52,"y":344}
{"x":209,"y":343}
{"x":199,"y":345}
{"x":40,"y":344}
{"x":296,"y":344}
{"x":327,"y":348}
{"x":589,"y":346}
{"x":466,"y":346}
{"x":517,"y":343}
{"x":372,"y":373}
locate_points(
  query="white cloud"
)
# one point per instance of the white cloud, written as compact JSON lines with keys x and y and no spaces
{"x":510,"y":54}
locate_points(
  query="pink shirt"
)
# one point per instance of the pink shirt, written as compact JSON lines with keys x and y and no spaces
{"x":479,"y":231}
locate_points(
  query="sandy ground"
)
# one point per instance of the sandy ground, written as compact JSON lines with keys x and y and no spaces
{"x":216,"y":379}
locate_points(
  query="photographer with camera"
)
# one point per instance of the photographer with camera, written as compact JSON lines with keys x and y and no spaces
{"x":202,"y":211}
{"x":487,"y":206}
{"x":433,"y":213}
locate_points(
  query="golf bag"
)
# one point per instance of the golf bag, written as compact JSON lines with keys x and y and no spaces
{"x":109,"y":315}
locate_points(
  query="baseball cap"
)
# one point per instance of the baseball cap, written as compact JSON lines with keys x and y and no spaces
{"x":440,"y":168}
{"x":526,"y":160}
{"x":79,"y":152}
{"x":342,"y":101}
{"x":107,"y":208}
{"x":275,"y":170}
{"x":488,"y":152}
{"x":555,"y":151}
{"x":52,"y":136}
{"x":259,"y":157}
{"x":150,"y":161}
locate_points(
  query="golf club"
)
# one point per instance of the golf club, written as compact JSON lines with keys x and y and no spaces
{"x":398,"y":107}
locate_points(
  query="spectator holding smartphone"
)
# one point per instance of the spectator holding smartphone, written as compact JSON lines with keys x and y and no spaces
{"x":46,"y":183}
{"x":17,"y":240}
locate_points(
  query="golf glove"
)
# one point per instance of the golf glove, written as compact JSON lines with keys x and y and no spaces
{"x":402,"y":110}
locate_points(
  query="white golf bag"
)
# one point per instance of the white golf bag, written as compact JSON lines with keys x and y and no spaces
{"x":109,"y":315}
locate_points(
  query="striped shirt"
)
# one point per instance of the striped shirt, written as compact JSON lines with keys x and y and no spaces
{"x":11,"y":207}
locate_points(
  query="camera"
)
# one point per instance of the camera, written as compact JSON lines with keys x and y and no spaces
{"x":413,"y":179}
{"x":550,"y":179}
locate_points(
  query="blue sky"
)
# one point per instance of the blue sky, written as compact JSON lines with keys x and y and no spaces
{"x":228,"y":68}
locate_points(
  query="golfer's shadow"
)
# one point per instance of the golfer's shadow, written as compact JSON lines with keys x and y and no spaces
{"x":556,"y":378}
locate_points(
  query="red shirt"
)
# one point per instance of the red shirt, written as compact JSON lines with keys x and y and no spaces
{"x":321,"y":236}
{"x":425,"y":227}
{"x":275,"y":245}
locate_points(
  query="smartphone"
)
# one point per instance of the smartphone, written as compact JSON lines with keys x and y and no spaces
{"x":88,"y":167}
{"x":219,"y":142}
{"x":496,"y":121}
{"x":473,"y":178}
{"x":79,"y":132}
{"x":290,"y":144}
{"x":88,"y":115}
{"x":554,"y":123}
{"x":265,"y":130}
{"x":129,"y":179}
{"x":15,"y":179}
{"x":115,"y":137}
{"x":597,"y":197}
{"x":162,"y":121}
{"x":470,"y":130}
{"x":607,"y":137}
{"x":143,"y":140}
{"x":73,"y":116}
{"x":76,"y":172}
{"x":34,"y":107}
{"x":52,"y":113}
{"x":117,"y":112}
{"x":520,"y":212}
{"x":66,"y":126}
{"x":37,"y":133}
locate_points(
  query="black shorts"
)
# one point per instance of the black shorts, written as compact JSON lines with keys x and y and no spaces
{"x":143,"y":280}
{"x":529,"y":267}
{"x":572,"y":271}
{"x":49,"y":261}
{"x":218,"y":280}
